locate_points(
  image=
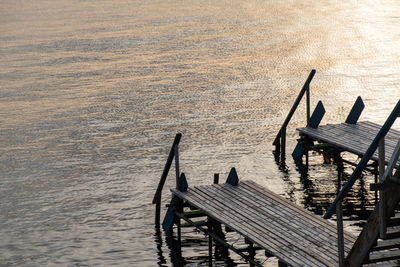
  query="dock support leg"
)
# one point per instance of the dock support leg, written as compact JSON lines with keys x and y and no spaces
{"x":210,"y":244}
{"x":376,"y":175}
{"x":339,"y":221}
{"x":178,"y":226}
{"x":282,"y":264}
{"x":283,"y":146}
{"x":251,"y":251}
{"x":340,"y":169}
{"x":216,"y":178}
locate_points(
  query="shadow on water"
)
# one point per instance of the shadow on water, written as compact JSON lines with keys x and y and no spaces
{"x":159,"y":242}
{"x":173,"y":247}
{"x":177,"y":257}
{"x":357,"y":206}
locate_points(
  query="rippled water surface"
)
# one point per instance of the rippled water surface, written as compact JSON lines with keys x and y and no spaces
{"x":92,"y":94}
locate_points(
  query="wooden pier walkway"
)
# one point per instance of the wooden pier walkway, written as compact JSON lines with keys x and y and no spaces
{"x":295,"y":236}
{"x":354,"y":138}
{"x":292,"y":234}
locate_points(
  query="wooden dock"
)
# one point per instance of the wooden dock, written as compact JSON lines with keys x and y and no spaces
{"x":353,"y":138}
{"x":282,"y":229}
{"x":295,"y":236}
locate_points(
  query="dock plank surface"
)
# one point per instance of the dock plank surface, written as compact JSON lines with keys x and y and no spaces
{"x":354,"y":138}
{"x":294,"y":235}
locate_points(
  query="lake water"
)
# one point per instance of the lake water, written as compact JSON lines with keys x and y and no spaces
{"x":92,"y":94}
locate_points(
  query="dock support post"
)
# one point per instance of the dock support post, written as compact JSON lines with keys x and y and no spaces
{"x":315,"y":119}
{"x":178,"y":226}
{"x":376,"y":177}
{"x":382,"y":214}
{"x":216,"y":178}
{"x":340,"y":169}
{"x":210,"y":244}
{"x":339,"y":222}
{"x":251,"y":251}
{"x":283,"y":146}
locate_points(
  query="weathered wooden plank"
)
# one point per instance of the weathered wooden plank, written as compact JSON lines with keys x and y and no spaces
{"x":370,"y":232}
{"x":250,"y":223}
{"x":298,"y":232}
{"x":207,"y":202}
{"x":354,"y":138}
{"x":271,"y":210}
{"x":347,"y":136}
{"x":246,"y":232}
{"x":309,"y":215}
{"x":272,"y":248}
{"x":294,"y":235}
{"x":290,"y":216}
{"x":387,"y":244}
{"x":380,"y":256}
{"x":333,"y":140}
{"x":312,"y":232}
{"x":386,"y":264}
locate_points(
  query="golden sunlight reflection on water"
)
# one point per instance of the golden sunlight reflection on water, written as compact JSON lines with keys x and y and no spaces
{"x":92,"y":93}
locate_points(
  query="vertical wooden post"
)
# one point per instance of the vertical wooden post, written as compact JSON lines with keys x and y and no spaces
{"x":210,"y":254}
{"x":339,"y":163}
{"x":283,"y":145}
{"x":158,"y":211}
{"x":308,"y":103}
{"x":216,"y":178}
{"x":306,"y":141}
{"x":178,"y":226}
{"x":176,"y":150}
{"x":179,"y":205}
{"x":339,"y":222}
{"x":277,"y":144}
{"x":382,"y":215}
{"x":251,"y":251}
{"x":376,"y":177}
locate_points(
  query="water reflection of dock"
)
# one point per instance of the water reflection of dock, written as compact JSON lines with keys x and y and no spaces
{"x":282,"y":229}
